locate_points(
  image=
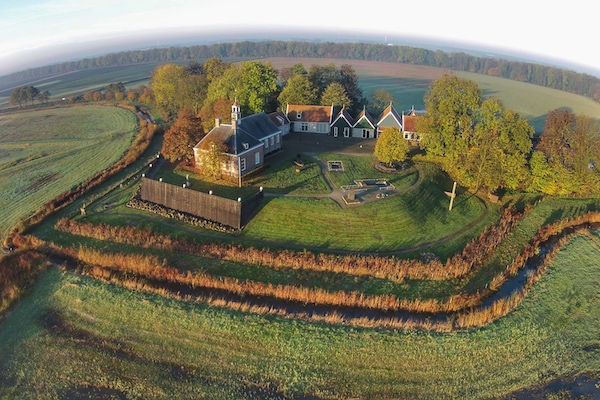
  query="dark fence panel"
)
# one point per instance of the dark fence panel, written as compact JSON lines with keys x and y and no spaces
{"x":214,"y":208}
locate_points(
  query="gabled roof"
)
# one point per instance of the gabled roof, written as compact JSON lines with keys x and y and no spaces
{"x":364,"y":115}
{"x":342,"y":113}
{"x":259,"y":126}
{"x":410,"y":122}
{"x":224,"y":134}
{"x":387,"y":111}
{"x":309,"y":113}
{"x":279,"y":118}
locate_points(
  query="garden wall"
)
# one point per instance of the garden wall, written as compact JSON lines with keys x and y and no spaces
{"x":214,"y":208}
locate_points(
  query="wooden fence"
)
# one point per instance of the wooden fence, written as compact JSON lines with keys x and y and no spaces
{"x":214,"y":208}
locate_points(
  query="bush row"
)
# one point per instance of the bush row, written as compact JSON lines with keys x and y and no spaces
{"x":17,"y":271}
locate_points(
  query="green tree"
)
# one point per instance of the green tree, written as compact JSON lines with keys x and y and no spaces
{"x":380,"y":99}
{"x":299,"y":90}
{"x":214,"y":68}
{"x":452,"y":104}
{"x":166,"y":83}
{"x":335,"y":94}
{"x":391,"y":147}
{"x":349,"y":80}
{"x":183,"y":135}
{"x":43,"y":96}
{"x":323,"y":76}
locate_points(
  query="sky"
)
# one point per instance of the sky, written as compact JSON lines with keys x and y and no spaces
{"x":37,"y":32}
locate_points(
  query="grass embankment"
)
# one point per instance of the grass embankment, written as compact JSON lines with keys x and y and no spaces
{"x":44,"y":153}
{"x":71,"y":325}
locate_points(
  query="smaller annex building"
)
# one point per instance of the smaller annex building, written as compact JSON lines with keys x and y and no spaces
{"x":246,"y":141}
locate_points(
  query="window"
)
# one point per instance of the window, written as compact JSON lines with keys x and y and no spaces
{"x":242,"y":164}
{"x":346,"y":132}
{"x":257,"y":158}
{"x":304,"y":127}
{"x":365,"y":133}
{"x":267,"y":143}
{"x":272,"y":141}
{"x":277,"y":139}
{"x":405,"y":135}
{"x":335,"y":131}
{"x":299,"y":115}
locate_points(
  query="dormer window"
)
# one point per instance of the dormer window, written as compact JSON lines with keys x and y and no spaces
{"x":299,"y":115}
{"x":245,"y":146}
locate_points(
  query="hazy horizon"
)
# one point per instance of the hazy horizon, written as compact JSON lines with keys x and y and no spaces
{"x":49,"y":32}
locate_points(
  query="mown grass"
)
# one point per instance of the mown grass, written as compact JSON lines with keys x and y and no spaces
{"x":46,"y":152}
{"x":398,"y":222}
{"x":75,"y":333}
{"x":281,"y":176}
{"x":362,"y":167}
{"x":531,"y":101}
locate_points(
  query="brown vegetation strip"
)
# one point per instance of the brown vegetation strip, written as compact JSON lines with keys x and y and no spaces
{"x":391,"y":268}
{"x":149,"y":274}
{"x":17,"y":272}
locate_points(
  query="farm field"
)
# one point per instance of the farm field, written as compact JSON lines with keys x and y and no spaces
{"x":70,"y":325}
{"x":408,"y":83}
{"x":46,"y":152}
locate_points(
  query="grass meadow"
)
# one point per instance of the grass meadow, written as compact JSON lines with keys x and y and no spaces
{"x":397,"y":222}
{"x":46,"y":152}
{"x":75,"y":337}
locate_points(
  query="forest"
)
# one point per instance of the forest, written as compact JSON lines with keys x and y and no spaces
{"x":552,"y":77}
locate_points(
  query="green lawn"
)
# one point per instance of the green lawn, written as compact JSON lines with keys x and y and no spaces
{"x":46,"y":152}
{"x":281,"y":177}
{"x":361,"y":167}
{"x":75,"y":337}
{"x":398,"y":222}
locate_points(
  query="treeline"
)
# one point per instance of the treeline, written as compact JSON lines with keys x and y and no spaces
{"x":28,"y":94}
{"x":553,"y":77}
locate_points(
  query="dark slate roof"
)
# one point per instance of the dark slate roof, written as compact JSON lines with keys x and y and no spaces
{"x":338,"y":114}
{"x":364,"y":114}
{"x":279,"y":118}
{"x":234,"y":143}
{"x":258,"y":126}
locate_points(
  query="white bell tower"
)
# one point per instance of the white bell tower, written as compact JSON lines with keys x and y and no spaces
{"x":236,"y":114}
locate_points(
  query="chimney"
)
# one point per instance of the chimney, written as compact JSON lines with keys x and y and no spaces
{"x":217,"y":122}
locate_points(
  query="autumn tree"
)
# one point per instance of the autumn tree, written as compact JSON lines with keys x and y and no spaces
{"x":391,"y":147}
{"x":219,"y":109}
{"x":212,"y":157}
{"x":567,"y":155}
{"x":23,"y":94}
{"x":183,"y":135}
{"x":299,"y":90}
{"x":335,"y":94}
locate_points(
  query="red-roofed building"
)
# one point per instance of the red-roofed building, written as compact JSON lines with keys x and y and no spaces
{"x":409,"y":125}
{"x":308,"y":118}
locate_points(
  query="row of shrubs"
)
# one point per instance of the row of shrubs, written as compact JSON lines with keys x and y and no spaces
{"x":144,"y":271}
{"x":138,"y":147}
{"x":381,"y":267}
{"x":140,"y":204}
